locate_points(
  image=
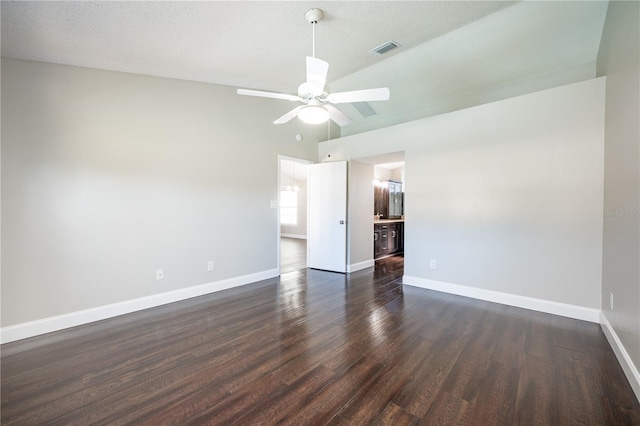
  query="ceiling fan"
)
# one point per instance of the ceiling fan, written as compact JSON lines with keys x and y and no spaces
{"x":315,"y":95}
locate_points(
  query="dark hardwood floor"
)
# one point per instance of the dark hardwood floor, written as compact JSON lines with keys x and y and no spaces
{"x":293,"y":254}
{"x":316,"y":347}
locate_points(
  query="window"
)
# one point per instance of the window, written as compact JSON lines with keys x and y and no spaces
{"x":288,"y":207}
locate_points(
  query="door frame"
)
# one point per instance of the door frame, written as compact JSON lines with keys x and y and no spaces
{"x":281,"y":158}
{"x":357,"y":233}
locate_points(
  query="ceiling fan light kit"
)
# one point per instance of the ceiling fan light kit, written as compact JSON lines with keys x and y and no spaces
{"x":315,"y":94}
{"x":313,"y":114}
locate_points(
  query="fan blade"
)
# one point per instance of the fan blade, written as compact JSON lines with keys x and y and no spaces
{"x":288,"y":116}
{"x":366,"y":95}
{"x":273,"y":95}
{"x":316,"y":74}
{"x":340,"y":118}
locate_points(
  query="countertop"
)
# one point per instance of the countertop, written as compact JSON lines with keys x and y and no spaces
{"x":388,"y":221}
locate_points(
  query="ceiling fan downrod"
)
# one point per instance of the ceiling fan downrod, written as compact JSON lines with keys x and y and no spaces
{"x":313,"y":16}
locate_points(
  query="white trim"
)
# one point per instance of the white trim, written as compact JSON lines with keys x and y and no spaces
{"x":360,"y":265}
{"x":298,"y":236}
{"x":387,"y":255}
{"x":624,"y":359}
{"x":72,"y":319}
{"x":541,"y":305}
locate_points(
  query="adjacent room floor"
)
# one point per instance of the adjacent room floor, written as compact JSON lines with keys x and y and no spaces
{"x":293,"y":254}
{"x":314,"y":347}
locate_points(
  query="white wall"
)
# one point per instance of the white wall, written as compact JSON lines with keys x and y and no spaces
{"x":108,"y":176}
{"x":619,"y":60}
{"x":397,"y":174}
{"x":507,"y":197}
{"x":382,"y":174}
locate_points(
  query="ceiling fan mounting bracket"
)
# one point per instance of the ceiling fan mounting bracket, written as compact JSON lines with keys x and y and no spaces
{"x":313,"y":15}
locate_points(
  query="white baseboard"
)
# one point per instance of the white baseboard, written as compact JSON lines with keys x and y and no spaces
{"x":360,"y":265}
{"x":540,"y":305}
{"x":624,"y":359}
{"x":72,"y":319}
{"x":298,"y":236}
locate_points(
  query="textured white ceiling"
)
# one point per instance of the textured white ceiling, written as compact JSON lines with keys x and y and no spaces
{"x":449,"y":50}
{"x":520,"y":49}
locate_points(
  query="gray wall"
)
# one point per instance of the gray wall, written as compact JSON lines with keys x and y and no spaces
{"x":505,"y":196}
{"x":618,"y":59}
{"x":108,"y":176}
{"x":360,"y":219}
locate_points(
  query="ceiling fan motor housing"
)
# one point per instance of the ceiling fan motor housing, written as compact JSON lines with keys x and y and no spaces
{"x":307,"y":92}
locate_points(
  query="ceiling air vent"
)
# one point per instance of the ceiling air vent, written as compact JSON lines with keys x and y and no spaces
{"x":364,"y":108}
{"x":384,"y":48}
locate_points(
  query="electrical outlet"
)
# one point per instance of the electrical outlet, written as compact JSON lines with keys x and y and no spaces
{"x":159,"y":274}
{"x":611,"y":300}
{"x":433,"y":264}
{"x":210,"y":266}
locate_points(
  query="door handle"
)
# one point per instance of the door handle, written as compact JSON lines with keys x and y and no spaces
{"x":342,"y":222}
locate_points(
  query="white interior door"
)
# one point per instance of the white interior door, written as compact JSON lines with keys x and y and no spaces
{"x":327,"y":238}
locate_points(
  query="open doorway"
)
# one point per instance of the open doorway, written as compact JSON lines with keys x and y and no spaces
{"x":293,"y":195}
{"x":388,"y":225}
{"x":386,"y":231}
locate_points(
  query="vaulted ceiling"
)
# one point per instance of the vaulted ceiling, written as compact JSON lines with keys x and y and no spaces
{"x":452,"y":54}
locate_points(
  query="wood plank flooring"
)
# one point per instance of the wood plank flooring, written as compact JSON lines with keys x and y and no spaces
{"x":315,"y":347}
{"x":293,"y":254}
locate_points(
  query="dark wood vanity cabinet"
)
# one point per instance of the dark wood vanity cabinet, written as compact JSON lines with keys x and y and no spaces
{"x":387,"y":239}
{"x":393,"y":244}
{"x":379,"y":246}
